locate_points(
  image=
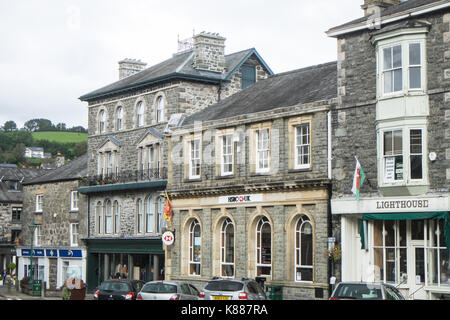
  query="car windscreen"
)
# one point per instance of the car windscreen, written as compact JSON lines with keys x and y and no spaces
{"x":224,"y":286}
{"x":358,"y":291}
{"x":159,"y":288}
{"x":114,"y":286}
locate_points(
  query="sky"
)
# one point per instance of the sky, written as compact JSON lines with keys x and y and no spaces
{"x":54,"y":51}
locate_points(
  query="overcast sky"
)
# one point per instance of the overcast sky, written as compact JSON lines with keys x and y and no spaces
{"x":54,"y":51}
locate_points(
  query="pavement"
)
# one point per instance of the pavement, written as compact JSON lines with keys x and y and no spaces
{"x":12,"y":294}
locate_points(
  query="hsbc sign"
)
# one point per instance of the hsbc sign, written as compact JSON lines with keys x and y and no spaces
{"x":168,"y":238}
{"x":245,"y":198}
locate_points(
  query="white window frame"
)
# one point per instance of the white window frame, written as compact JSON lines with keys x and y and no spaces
{"x":150,"y":215}
{"x":403,"y":38}
{"x":116,"y":217}
{"x":160,"y":104}
{"x":108,"y":217}
{"x":302,"y":220}
{"x":37,"y":236}
{"x":39,"y":202}
{"x":102,"y":121}
{"x":192,"y":245}
{"x":227,"y":155}
{"x":406,"y":129}
{"x":140,"y":216}
{"x":140,"y":114}
{"x":301,"y":145}
{"x":119,"y":118}
{"x":223,"y":248}
{"x":195,"y":158}
{"x":74,"y":201}
{"x":99,"y":216}
{"x":262,"y":151}
{"x":74,"y":234}
{"x":258,"y":252}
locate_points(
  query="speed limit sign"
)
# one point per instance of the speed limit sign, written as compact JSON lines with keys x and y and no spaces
{"x":168,"y":238}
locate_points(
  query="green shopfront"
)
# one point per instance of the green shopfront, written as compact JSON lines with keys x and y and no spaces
{"x":132,"y":258}
{"x":401,"y":241}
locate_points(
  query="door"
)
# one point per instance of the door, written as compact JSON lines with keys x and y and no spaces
{"x":416,"y":260}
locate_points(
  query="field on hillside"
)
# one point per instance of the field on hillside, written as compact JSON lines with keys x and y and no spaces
{"x":60,"y":136}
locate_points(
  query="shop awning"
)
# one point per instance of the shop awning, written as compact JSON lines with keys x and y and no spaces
{"x":407,"y":216}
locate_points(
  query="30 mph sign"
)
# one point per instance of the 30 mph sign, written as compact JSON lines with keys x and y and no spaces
{"x":168,"y":238}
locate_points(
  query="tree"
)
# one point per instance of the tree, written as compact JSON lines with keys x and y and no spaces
{"x":61,"y":126}
{"x":39,"y":125}
{"x":10,"y":126}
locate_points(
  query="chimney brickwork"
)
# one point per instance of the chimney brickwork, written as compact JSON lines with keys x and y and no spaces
{"x":128,"y":67}
{"x":372,"y":6}
{"x":209,"y":52}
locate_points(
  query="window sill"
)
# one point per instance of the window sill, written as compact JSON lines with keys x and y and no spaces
{"x":187,"y":180}
{"x":229,"y":176}
{"x":402,"y":94}
{"x":300,"y":170}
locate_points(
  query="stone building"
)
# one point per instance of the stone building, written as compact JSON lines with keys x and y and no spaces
{"x":128,"y":152}
{"x":393,"y":115}
{"x":11,"y":207}
{"x":249,"y":182}
{"x":52,"y":202}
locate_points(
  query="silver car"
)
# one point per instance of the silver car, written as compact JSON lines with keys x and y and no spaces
{"x":365,"y":291}
{"x":168,"y":290}
{"x":230,"y":289}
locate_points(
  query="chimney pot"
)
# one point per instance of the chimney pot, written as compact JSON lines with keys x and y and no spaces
{"x":209,"y":52}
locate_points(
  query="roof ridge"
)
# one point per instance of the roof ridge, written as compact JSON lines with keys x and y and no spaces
{"x":317,"y":66}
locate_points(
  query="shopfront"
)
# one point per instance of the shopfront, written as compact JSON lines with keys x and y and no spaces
{"x":52,"y":265}
{"x":132,"y":258}
{"x":402,"y":241}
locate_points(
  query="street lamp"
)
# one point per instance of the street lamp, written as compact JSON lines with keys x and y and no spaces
{"x":32,"y":227}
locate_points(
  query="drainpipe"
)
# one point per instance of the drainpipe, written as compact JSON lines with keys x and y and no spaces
{"x":330,"y":157}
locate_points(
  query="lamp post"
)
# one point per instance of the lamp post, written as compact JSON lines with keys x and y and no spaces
{"x":32,"y":227}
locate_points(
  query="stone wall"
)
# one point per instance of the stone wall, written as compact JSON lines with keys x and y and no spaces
{"x":56,"y":217}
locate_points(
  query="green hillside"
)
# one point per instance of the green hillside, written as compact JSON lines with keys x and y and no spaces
{"x":60,"y":136}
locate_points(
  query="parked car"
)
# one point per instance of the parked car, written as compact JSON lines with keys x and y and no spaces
{"x":231,"y":289}
{"x":366,"y":290}
{"x":168,"y":290}
{"x":118,"y":290}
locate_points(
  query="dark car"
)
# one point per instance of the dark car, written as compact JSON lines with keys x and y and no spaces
{"x":118,"y":290}
{"x":365,"y":291}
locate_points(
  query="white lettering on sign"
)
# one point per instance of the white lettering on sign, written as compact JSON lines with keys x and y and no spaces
{"x":168,"y":238}
{"x":241,"y":198}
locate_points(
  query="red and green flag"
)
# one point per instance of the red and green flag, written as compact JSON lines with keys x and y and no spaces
{"x":358,"y":179}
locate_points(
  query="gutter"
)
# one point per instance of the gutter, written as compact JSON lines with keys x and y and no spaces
{"x":395,"y":17}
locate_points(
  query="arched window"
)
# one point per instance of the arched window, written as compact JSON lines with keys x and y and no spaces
{"x":108,"y":217}
{"x":119,"y":119}
{"x":303,"y":249}
{"x":140,"y":216}
{"x":99,"y":215}
{"x":195,"y":244}
{"x":160,"y":110}
{"x":227,"y":248}
{"x":150,"y":215}
{"x":116,"y":213}
{"x":102,"y":121}
{"x":160,"y":220}
{"x":263,"y":247}
{"x":140,"y":114}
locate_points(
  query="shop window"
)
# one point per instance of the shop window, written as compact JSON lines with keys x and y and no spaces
{"x":438,"y":264}
{"x":303,"y":249}
{"x":195,"y":244}
{"x":263,"y":247}
{"x":227,"y":248}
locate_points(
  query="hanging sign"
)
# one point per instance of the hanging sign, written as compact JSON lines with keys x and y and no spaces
{"x":168,"y":238}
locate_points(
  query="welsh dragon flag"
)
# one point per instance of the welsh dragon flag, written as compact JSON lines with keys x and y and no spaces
{"x":358,"y":179}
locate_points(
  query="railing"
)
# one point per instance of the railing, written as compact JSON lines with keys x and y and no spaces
{"x":126,"y":176}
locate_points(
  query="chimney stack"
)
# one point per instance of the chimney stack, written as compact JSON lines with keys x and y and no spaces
{"x":372,"y":6}
{"x":209,"y":52}
{"x":59,"y":161}
{"x":128,"y":67}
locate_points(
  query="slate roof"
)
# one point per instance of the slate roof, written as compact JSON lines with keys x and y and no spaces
{"x":403,"y":7}
{"x":179,"y":66}
{"x":302,"y":86}
{"x":73,"y":170}
{"x":13,"y":173}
